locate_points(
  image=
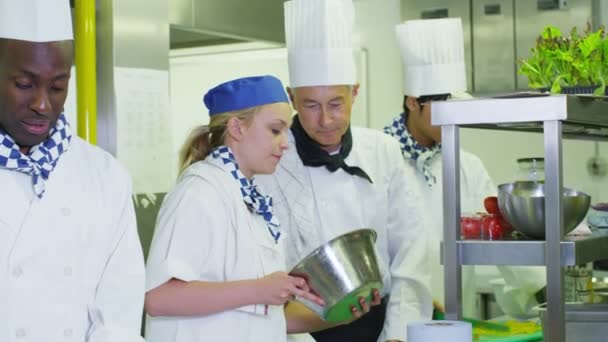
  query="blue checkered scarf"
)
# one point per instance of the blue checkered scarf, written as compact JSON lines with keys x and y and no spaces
{"x":412,"y":150}
{"x":42,"y":158}
{"x":260,"y":204}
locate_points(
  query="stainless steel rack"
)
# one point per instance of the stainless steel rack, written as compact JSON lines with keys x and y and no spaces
{"x":557,"y":117}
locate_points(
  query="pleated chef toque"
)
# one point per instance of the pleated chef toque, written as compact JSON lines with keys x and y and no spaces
{"x":432,"y":51}
{"x":319,"y":42}
{"x":36,"y":20}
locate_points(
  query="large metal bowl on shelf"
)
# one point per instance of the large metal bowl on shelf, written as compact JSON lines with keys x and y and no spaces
{"x":523,"y":205}
{"x":340,"y":271}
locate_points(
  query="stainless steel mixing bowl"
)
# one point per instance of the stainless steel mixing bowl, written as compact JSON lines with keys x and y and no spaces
{"x":523,"y":205}
{"x":340,"y":271}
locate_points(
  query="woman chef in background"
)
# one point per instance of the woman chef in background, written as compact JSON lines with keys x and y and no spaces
{"x":433,"y":57}
{"x":216,"y":264}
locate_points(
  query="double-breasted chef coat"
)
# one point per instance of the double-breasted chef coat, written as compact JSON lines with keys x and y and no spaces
{"x":315,"y":205}
{"x":71,"y":264}
{"x":205,"y":232}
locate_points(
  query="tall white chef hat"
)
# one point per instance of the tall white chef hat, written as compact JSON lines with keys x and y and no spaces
{"x":36,"y":20}
{"x":319,"y":42}
{"x":432,"y":51}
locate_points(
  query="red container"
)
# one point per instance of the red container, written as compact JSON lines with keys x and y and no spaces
{"x":495,"y":227}
{"x":470,"y":226}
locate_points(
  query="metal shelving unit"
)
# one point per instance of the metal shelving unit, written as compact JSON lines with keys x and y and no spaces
{"x":576,"y":250}
{"x":558,"y":117}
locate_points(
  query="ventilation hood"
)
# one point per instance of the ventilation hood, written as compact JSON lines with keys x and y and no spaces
{"x":211,"y":22}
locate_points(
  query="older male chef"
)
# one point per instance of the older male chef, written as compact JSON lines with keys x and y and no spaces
{"x":71,"y":265}
{"x":433,"y":59}
{"x":335,"y":178}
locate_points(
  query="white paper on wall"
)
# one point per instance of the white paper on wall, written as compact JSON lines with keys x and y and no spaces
{"x":144,"y":127}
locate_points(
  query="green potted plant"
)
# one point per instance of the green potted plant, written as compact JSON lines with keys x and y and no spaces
{"x":573,"y":64}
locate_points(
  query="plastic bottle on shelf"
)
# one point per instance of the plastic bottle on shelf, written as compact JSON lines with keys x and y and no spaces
{"x":530,"y":170}
{"x":578,"y":278}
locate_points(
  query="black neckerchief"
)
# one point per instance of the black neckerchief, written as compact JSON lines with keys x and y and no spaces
{"x":312,"y":154}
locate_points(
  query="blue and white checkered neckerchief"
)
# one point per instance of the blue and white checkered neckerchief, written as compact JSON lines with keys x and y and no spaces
{"x":260,"y":204}
{"x":412,"y":150}
{"x":42,"y":158}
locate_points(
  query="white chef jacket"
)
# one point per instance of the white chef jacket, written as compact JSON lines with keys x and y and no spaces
{"x":71,"y":263}
{"x":315,"y":205}
{"x":205,"y":232}
{"x":475,"y":186}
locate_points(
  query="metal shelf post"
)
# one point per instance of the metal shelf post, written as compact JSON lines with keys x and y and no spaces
{"x":556,"y":116}
{"x":450,"y":155}
{"x":554,"y":231}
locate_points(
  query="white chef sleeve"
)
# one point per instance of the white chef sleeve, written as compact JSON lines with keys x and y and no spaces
{"x":184,"y":233}
{"x":410,"y":295}
{"x":116,"y":312}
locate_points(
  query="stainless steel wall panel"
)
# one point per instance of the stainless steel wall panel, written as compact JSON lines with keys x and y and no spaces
{"x":130,"y":34}
{"x":599,"y":8}
{"x":141,"y":34}
{"x":421,"y":9}
{"x":530,"y":21}
{"x":493,"y":45}
{"x":106,"y":107}
{"x":181,"y":12}
{"x":250,"y":20}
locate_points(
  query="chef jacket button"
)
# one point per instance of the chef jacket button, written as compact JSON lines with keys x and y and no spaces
{"x":17,"y":272}
{"x":66,"y":211}
{"x":20,"y":333}
{"x":67,"y":271}
{"x":67,"y":333}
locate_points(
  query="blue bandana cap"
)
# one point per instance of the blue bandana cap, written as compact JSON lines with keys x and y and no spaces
{"x":244,"y":93}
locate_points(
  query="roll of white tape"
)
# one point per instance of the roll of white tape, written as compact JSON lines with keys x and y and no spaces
{"x":439,"y":331}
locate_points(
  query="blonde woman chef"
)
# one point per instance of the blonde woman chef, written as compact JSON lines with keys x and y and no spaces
{"x":216,"y":270}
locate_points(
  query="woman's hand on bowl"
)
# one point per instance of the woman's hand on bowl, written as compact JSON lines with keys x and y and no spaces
{"x":278,"y":288}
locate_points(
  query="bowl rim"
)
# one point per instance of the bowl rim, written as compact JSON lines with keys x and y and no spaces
{"x":577,"y":193}
{"x":318,"y":249}
{"x":601,"y":206}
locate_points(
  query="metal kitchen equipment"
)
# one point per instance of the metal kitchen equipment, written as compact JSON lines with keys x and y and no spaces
{"x":583,"y":322}
{"x":523,"y":205}
{"x":340,"y":271}
{"x":578,"y":283}
{"x":530,"y":169}
{"x":551,"y":115}
{"x":598,"y":216}
{"x":500,"y":32}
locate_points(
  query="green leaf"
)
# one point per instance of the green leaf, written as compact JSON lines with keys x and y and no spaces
{"x":601,"y":90}
{"x":551,"y":32}
{"x":557,"y":61}
{"x":591,"y":43}
{"x":556,"y":87}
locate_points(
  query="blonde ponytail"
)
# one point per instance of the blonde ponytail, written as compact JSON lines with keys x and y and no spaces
{"x":203,"y":139}
{"x":195,"y":148}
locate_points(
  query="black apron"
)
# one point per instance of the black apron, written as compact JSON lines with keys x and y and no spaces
{"x":365,"y":329}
